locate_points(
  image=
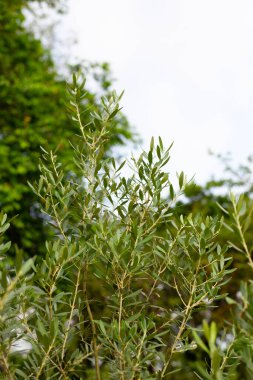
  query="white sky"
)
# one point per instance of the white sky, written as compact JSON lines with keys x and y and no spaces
{"x":186,"y":68}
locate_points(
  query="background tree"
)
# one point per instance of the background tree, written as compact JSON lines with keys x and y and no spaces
{"x":32,"y":97}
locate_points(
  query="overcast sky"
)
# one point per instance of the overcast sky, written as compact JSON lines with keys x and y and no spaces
{"x":186,"y":68}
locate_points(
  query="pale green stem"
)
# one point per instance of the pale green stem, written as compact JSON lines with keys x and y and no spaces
{"x":239,"y":227}
{"x":71,"y":314}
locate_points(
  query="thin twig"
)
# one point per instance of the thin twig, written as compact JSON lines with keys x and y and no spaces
{"x":93,"y":326}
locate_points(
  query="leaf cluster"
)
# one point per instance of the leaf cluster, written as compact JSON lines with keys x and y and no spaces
{"x":118,"y":290}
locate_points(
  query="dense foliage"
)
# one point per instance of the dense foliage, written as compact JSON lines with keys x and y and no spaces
{"x":127,"y":286}
{"x":32,"y":114}
{"x":213,"y":198}
{"x":139,"y":278}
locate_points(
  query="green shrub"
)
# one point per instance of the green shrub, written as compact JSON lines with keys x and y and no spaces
{"x":126,"y":283}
